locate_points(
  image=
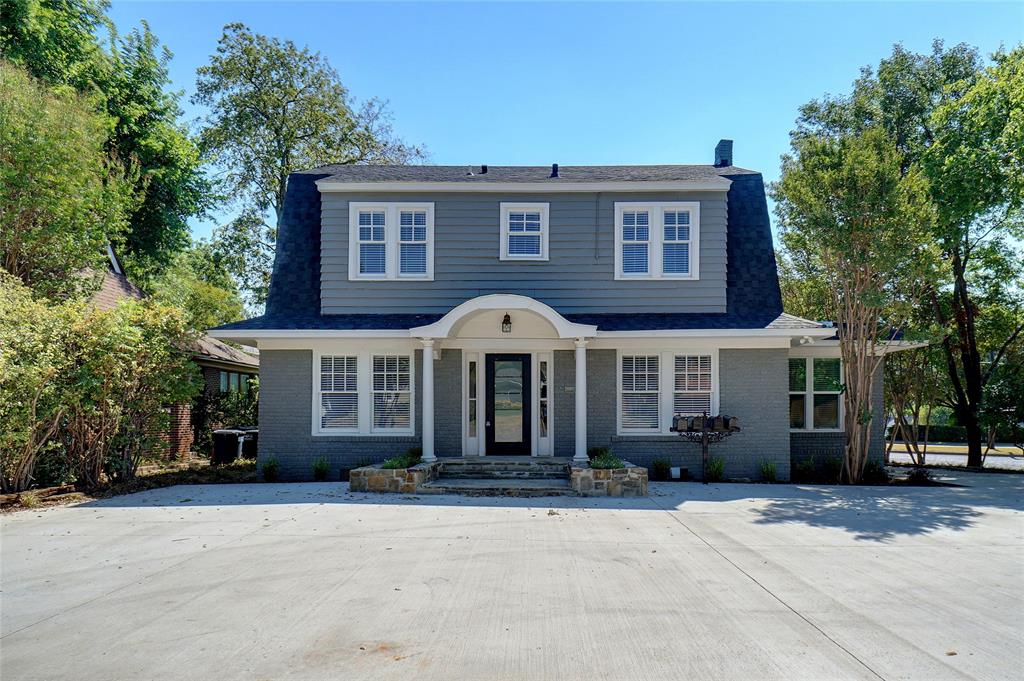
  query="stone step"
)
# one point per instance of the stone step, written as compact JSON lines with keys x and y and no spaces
{"x":506,"y":474}
{"x":489,"y":487}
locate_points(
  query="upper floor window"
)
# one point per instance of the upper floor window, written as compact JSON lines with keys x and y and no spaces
{"x":391,"y":241}
{"x":657,"y":240}
{"x":524,"y":231}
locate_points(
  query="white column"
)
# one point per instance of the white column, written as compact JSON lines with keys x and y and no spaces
{"x":428,"y":399}
{"x":581,"y":401}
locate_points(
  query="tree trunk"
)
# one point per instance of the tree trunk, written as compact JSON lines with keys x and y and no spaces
{"x":973,"y":428}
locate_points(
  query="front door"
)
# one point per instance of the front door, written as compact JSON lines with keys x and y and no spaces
{"x":508,"y":405}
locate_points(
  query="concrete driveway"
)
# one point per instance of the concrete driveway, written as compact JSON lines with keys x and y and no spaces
{"x":698,"y":582}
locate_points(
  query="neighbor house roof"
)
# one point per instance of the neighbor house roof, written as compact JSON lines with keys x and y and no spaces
{"x":753,"y":298}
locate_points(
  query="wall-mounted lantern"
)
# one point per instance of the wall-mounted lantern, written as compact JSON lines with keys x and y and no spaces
{"x":506,"y":324}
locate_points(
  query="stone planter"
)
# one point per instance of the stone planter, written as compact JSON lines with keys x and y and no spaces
{"x":404,"y":480}
{"x":628,"y":481}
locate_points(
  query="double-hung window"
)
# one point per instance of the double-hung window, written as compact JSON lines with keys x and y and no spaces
{"x":524,"y":231}
{"x":391,"y":241}
{"x":815,"y":393}
{"x":363,"y":392}
{"x":657,"y":240}
{"x":655,"y":386}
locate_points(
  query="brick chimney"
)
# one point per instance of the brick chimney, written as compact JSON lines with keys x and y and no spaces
{"x":723,"y":154}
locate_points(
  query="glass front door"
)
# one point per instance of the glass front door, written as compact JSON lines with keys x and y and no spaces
{"x":508,"y":405}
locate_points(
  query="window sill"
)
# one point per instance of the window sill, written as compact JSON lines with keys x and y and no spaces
{"x":523,"y":258}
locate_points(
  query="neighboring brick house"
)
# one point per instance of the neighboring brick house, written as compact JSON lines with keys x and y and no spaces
{"x":223,"y":367}
{"x":535,"y":311}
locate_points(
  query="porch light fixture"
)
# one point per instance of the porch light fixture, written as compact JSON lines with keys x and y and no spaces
{"x":506,"y":324}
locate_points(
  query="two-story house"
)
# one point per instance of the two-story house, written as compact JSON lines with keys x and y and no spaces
{"x":534,"y":311}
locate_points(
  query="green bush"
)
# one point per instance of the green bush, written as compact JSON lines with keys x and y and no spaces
{"x":411,"y":458}
{"x":595,"y":452}
{"x":232,"y":409}
{"x":831,"y":470}
{"x":321,"y":469}
{"x":768,"y":471}
{"x":661,"y":468}
{"x":716,"y":469}
{"x":875,"y":474}
{"x":804,"y":471}
{"x":606,"y":460}
{"x":918,"y":476}
{"x":271,"y":470}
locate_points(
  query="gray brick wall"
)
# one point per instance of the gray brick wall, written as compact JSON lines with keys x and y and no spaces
{"x":821,"y":446}
{"x":753,"y":385}
{"x":286,"y":403}
{"x":448,"y":403}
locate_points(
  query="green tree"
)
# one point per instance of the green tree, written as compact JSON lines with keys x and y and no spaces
{"x":61,"y":197}
{"x":959,"y":124}
{"x":72,"y":43}
{"x":199,"y":283}
{"x":859,"y":228}
{"x":276,"y":108}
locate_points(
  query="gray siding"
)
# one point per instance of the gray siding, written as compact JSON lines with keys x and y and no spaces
{"x":286,"y":403}
{"x":753,"y":385}
{"x":578,"y":277}
{"x":821,"y":446}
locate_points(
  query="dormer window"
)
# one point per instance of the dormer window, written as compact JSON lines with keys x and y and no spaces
{"x":391,"y":241}
{"x":524,"y":231}
{"x":657,"y":240}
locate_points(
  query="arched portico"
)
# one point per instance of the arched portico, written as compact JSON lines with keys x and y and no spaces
{"x":481,"y":318}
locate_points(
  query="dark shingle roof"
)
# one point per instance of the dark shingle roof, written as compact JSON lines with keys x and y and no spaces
{"x":753,"y":298}
{"x":354,"y":173}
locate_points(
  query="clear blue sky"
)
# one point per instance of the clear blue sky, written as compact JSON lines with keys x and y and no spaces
{"x":577,"y":83}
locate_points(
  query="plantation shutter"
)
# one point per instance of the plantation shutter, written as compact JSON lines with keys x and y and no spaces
{"x":639,"y":398}
{"x":339,"y":396}
{"x":392,"y":392}
{"x":692,"y":384}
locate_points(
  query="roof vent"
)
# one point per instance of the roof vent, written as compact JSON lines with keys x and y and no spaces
{"x":554,"y":170}
{"x":483,"y":169}
{"x":723,"y":154}
{"x":469,"y":171}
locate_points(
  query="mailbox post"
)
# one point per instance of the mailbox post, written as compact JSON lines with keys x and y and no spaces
{"x":705,"y":430}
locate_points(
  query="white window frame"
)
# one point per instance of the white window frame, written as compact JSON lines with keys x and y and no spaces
{"x":392,"y":211}
{"x":666,"y":387}
{"x":506,"y":209}
{"x":373,"y":392}
{"x":656,"y":235}
{"x":809,"y":393}
{"x":364,"y":374}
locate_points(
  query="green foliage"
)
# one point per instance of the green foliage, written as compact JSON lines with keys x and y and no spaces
{"x":212,"y":410}
{"x":71,"y":44}
{"x":271,"y":470}
{"x":716,"y":469}
{"x":606,"y":460}
{"x":804,"y":471}
{"x":276,"y":108}
{"x":321,"y":469}
{"x":199,"y":283}
{"x":661,"y":468}
{"x":61,"y":197}
{"x":832,"y":469}
{"x":875,"y":474}
{"x":86,"y":384}
{"x":595,"y":452}
{"x":768,"y":473}
{"x":919,"y":476}
{"x":407,"y":460}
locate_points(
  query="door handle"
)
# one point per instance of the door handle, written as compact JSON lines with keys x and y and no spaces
{"x":487,"y":424}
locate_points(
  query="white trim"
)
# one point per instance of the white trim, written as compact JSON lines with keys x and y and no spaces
{"x":719,"y":333}
{"x":809,"y":393}
{"x":443,"y":327}
{"x":666,"y":386}
{"x":392,"y":211}
{"x":656,"y":234}
{"x":553,"y":186}
{"x":364,"y":383}
{"x":505,"y":209}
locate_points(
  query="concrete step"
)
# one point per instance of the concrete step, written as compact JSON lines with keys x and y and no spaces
{"x":505,"y":474}
{"x":504,"y":466}
{"x":489,"y":487}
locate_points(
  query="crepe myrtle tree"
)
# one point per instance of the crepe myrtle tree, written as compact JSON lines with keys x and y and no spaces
{"x":850,"y":219}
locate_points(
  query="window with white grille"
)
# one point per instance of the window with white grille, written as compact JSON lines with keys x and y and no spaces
{"x":657,"y":240}
{"x":392,"y":392}
{"x":639,"y":397}
{"x":391,"y":240}
{"x":692,"y":393}
{"x":339,"y":392}
{"x":815,"y":393}
{"x":524,"y":231}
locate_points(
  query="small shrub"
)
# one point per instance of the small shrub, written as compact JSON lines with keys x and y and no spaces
{"x":407,"y":460}
{"x":271,"y":470}
{"x":29,"y":500}
{"x":595,"y":452}
{"x":875,"y":474}
{"x":803,"y":471}
{"x":768,"y":471}
{"x":416,"y":452}
{"x":321,"y":469}
{"x":661,"y":468}
{"x":607,"y":460}
{"x":917,"y":476}
{"x":394,"y":462}
{"x":363,"y":462}
{"x":716,"y":469}
{"x":831,"y":469}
